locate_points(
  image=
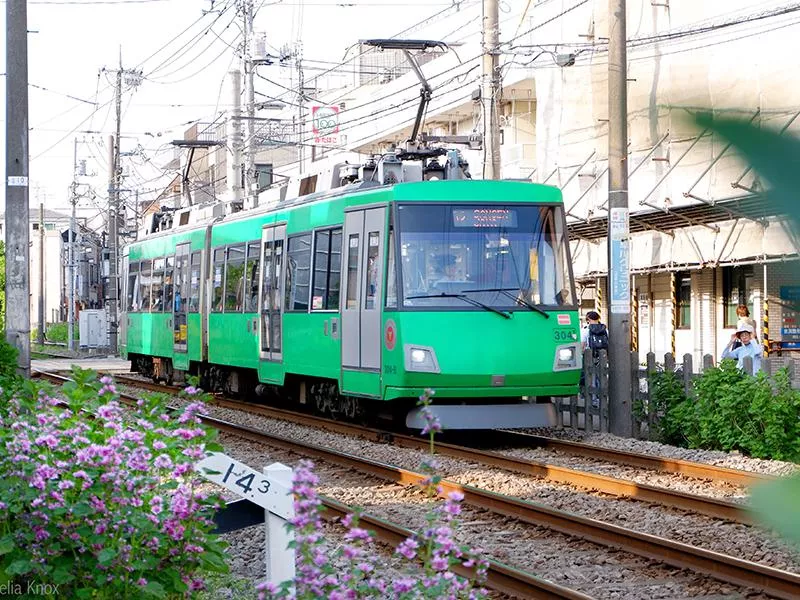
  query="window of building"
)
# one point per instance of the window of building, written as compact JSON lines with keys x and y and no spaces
{"x":234,"y":279}
{"x":327,"y":269}
{"x":298,"y":272}
{"x":218,"y":270}
{"x":683,"y":290}
{"x":737,"y":288}
{"x":194,"y":283}
{"x":251,"y":278}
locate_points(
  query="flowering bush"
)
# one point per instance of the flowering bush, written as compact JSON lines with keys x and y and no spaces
{"x":107,"y":506}
{"x":434,"y":547}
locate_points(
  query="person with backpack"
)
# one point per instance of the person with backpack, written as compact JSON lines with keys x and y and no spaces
{"x":594,"y":336}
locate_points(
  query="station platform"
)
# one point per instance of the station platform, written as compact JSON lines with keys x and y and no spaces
{"x":107,"y":365}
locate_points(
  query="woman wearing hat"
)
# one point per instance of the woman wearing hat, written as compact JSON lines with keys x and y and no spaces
{"x":749,"y":347}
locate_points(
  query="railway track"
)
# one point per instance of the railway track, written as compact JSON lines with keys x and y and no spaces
{"x":775,"y":582}
{"x":559,"y":474}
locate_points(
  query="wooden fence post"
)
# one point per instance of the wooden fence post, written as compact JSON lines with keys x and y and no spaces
{"x":747,"y":362}
{"x":669,"y":362}
{"x":603,"y":390}
{"x":590,"y":387}
{"x":651,"y":410}
{"x":708,"y":362}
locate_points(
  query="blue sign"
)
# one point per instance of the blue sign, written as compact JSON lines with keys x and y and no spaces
{"x":790,"y":345}
{"x":790,"y":292}
{"x":619,"y":268}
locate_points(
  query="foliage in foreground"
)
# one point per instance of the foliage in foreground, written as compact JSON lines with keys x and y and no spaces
{"x":321,"y":575}
{"x":106,"y":507}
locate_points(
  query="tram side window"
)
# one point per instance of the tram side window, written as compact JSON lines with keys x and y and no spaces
{"x":145,"y":272}
{"x":169,"y":283}
{"x":234,"y":279}
{"x":218,"y":268}
{"x":352,"y":272}
{"x":251,"y":278}
{"x":157,"y":289}
{"x":298,"y":272}
{"x":373,"y":240}
{"x":133,"y":287}
{"x":194,"y":283}
{"x":327,"y":270}
{"x":391,"y":274}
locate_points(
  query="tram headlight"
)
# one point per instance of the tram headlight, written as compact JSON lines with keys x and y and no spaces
{"x":421,"y":359}
{"x":567,"y":357}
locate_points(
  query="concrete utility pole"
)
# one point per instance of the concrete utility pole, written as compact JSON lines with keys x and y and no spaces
{"x":249,"y":71}
{"x":619,"y":380}
{"x":301,"y":149}
{"x":235,"y":138}
{"x":40,"y":335}
{"x":113,"y":185}
{"x":71,"y":252}
{"x":490,"y":89}
{"x":18,"y":321}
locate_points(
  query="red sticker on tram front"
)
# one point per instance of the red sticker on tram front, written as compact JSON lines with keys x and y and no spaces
{"x":564,"y":320}
{"x":390,"y":335}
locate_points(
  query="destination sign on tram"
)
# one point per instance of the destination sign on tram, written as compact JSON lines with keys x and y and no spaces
{"x":484,"y":217}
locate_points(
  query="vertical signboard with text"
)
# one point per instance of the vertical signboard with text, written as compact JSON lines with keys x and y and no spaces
{"x":619,"y":281}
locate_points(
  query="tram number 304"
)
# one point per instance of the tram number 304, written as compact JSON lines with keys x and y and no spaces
{"x":245,"y":480}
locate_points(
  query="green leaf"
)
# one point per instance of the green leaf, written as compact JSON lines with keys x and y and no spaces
{"x":106,"y":555}
{"x":775,"y":503}
{"x":214,"y":447}
{"x":62,"y":575}
{"x":20,"y":567}
{"x":81,"y":509}
{"x":153,"y":588}
{"x":6,"y":544}
{"x":214,"y":562}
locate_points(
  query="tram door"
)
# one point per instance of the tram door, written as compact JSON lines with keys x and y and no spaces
{"x":364,"y":234}
{"x":273,"y":241}
{"x":180,"y":300}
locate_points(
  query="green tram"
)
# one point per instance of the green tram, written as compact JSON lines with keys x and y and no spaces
{"x":357,"y":299}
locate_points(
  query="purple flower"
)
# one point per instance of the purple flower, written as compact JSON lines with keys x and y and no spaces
{"x":408,"y":548}
{"x":163,"y":461}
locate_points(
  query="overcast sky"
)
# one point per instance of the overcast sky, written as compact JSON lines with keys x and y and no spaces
{"x":71,"y":41}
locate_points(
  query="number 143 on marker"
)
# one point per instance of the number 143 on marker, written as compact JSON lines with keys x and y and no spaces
{"x":244,"y":481}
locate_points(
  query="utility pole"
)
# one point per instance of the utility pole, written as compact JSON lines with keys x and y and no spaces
{"x":619,"y":380}
{"x":113,"y":185}
{"x":40,"y":335}
{"x":71,"y":252}
{"x":18,"y":321}
{"x":490,"y":89}
{"x":234,"y":161}
{"x":249,"y":71}
{"x":301,"y":153}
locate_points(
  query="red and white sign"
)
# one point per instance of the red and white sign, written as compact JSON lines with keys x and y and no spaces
{"x":564,"y":320}
{"x":325,"y":125}
{"x":390,"y":335}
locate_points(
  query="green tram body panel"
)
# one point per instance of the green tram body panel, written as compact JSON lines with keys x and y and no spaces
{"x":479,"y":354}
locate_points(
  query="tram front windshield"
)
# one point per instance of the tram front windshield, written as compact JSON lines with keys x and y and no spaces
{"x":503,"y":256}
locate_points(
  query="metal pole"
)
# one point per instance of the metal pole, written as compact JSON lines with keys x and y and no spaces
{"x":618,"y":226}
{"x":234,"y":137}
{"x":490,"y":89}
{"x":40,"y":335}
{"x":18,"y":321}
{"x":765,"y":318}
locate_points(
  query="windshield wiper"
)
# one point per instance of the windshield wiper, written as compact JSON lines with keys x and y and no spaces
{"x":465,"y":299}
{"x":517,"y":299}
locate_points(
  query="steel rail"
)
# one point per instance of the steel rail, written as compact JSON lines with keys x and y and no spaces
{"x":635,"y":459}
{"x":712,"y":507}
{"x":775,"y":582}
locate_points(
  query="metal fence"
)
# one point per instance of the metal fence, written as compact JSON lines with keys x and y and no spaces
{"x":589,"y":411}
